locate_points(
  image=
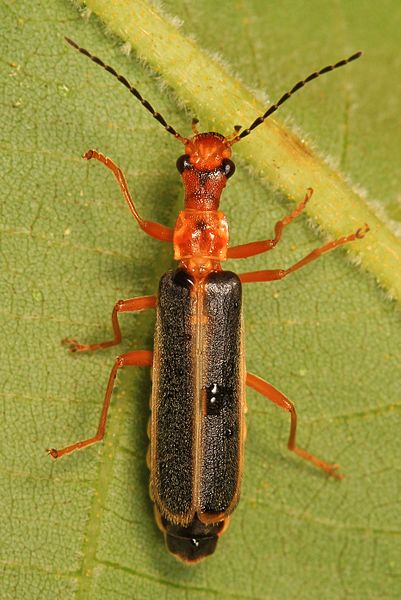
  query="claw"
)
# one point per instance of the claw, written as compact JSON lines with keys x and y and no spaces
{"x":88,"y":155}
{"x":332,"y":472}
{"x":52,"y":452}
{"x":75,"y":346}
{"x":360,"y":233}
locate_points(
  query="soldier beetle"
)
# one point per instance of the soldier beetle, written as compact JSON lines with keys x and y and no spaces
{"x":197,"y":426}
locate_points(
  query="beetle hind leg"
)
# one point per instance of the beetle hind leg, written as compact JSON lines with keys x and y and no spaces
{"x":273,"y":394}
{"x":138,"y":358}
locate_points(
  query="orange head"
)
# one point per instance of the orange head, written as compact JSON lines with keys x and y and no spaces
{"x":205,"y":168}
{"x":207,"y":151}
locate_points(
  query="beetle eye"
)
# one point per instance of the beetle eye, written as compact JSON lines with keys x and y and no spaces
{"x":183,"y":163}
{"x":228,"y":167}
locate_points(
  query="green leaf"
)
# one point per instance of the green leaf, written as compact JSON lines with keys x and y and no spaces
{"x":82,"y":527}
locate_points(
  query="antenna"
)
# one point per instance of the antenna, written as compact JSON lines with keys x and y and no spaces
{"x":288,"y":95}
{"x":132,"y":89}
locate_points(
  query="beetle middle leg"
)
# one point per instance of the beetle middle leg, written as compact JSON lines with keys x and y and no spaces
{"x":130,"y":305}
{"x":275,"y":274}
{"x":138,"y":358}
{"x":273,"y":394}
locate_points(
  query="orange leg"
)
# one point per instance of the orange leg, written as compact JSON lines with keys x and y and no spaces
{"x":273,"y":275}
{"x":139,"y":358}
{"x":155,"y":230}
{"x":254,"y":248}
{"x":271,"y":393}
{"x":131,"y":305}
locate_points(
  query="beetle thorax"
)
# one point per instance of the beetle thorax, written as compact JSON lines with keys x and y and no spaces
{"x":201,"y":239}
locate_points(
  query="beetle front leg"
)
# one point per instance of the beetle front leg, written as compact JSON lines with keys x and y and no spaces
{"x":155,"y":230}
{"x":253,"y":248}
{"x":273,"y":394}
{"x":130,"y":305}
{"x":138,"y":358}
